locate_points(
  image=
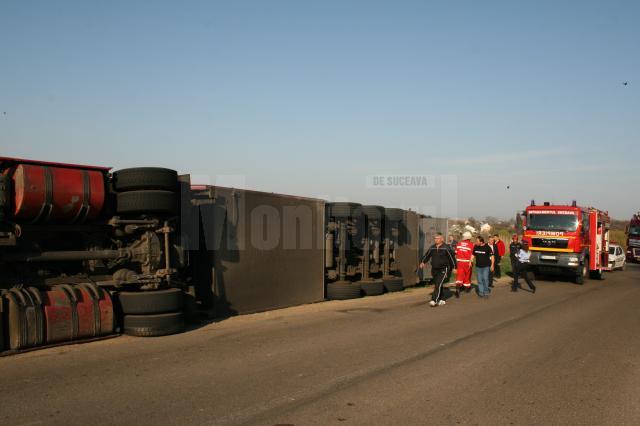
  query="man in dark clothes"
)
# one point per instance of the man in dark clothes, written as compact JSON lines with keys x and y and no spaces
{"x":483,"y":256}
{"x":514,"y":248}
{"x":452,"y":242}
{"x":443,"y":263}
{"x":494,"y":250}
{"x":522,"y":268}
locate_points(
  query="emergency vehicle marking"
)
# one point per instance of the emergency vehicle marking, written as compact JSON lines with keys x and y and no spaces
{"x":562,"y":212}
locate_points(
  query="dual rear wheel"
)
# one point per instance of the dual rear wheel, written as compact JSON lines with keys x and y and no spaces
{"x":150,"y":190}
{"x":152,"y":313}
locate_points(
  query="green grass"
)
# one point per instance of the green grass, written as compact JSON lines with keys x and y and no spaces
{"x":619,"y":237}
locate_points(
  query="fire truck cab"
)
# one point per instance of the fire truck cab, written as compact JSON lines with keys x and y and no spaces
{"x":567,"y":239}
{"x":633,"y":239}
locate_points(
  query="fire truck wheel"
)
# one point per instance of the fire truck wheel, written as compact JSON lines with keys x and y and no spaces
{"x":151,"y":302}
{"x":596,"y":275}
{"x":146,"y":202}
{"x":342,"y":290}
{"x":154,"y":325}
{"x":344,"y":210}
{"x":581,"y":274}
{"x":139,"y":178}
{"x":394,"y":284}
{"x":372,"y":288}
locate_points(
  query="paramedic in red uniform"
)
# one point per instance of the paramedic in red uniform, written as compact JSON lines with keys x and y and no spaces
{"x":501,"y":252}
{"x":464,"y":251}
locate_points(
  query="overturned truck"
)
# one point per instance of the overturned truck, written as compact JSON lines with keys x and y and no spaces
{"x":88,"y":253}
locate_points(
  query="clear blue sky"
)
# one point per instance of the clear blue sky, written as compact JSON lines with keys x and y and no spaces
{"x":310,"y":98}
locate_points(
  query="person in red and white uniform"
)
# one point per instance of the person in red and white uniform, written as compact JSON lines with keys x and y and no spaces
{"x":501,"y":252}
{"x":464,"y":252}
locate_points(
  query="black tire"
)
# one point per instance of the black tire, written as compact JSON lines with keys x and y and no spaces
{"x":151,"y":302}
{"x":344,"y":210}
{"x":373,"y":212}
{"x":140,"y":178}
{"x":343,"y":290}
{"x":596,"y":275}
{"x":146,"y":202}
{"x":394,"y":214}
{"x":372,"y":288}
{"x":154,"y":325}
{"x":581,"y":274}
{"x":394,"y":284}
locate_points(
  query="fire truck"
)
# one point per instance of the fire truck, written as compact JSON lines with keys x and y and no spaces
{"x":567,"y":239}
{"x":633,"y":239}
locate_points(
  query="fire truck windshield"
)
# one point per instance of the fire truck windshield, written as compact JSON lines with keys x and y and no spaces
{"x":552,"y":222}
{"x":634,"y":230}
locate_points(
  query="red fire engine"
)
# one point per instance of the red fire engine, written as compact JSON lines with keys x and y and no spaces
{"x":567,"y":239}
{"x":633,"y":239}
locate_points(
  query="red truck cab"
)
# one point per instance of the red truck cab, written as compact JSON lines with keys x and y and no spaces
{"x":567,"y":239}
{"x":633,"y":239}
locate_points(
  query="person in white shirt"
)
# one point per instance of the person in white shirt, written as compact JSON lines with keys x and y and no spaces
{"x":522,"y":267}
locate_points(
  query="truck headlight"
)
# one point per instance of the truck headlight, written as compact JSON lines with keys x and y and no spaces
{"x":573,"y":259}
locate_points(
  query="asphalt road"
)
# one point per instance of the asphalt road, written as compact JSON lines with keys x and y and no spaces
{"x":565,"y":355}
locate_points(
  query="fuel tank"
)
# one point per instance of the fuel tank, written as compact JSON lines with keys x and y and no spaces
{"x":48,"y":194}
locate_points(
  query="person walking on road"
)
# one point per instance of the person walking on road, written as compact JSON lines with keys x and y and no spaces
{"x":483,"y":256}
{"x":452,"y":242}
{"x":514,"y":248}
{"x":500,"y":252}
{"x":494,"y":251}
{"x":522,"y":268}
{"x":443,"y":263}
{"x":464,"y":252}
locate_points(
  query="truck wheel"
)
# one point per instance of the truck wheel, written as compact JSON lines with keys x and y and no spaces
{"x":344,"y":210}
{"x":343,"y":290}
{"x":581,"y":274}
{"x":393,"y":284}
{"x":596,"y":275}
{"x":140,"y":178}
{"x":152,"y":201}
{"x":394,"y":214}
{"x":151,"y":302}
{"x":373,"y":212}
{"x":154,"y":325}
{"x":372,"y":288}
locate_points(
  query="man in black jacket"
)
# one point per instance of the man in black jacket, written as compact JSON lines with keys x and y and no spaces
{"x":514,"y":248}
{"x":443,"y":262}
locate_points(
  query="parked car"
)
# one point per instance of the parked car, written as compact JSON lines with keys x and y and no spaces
{"x":617,"y":259}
